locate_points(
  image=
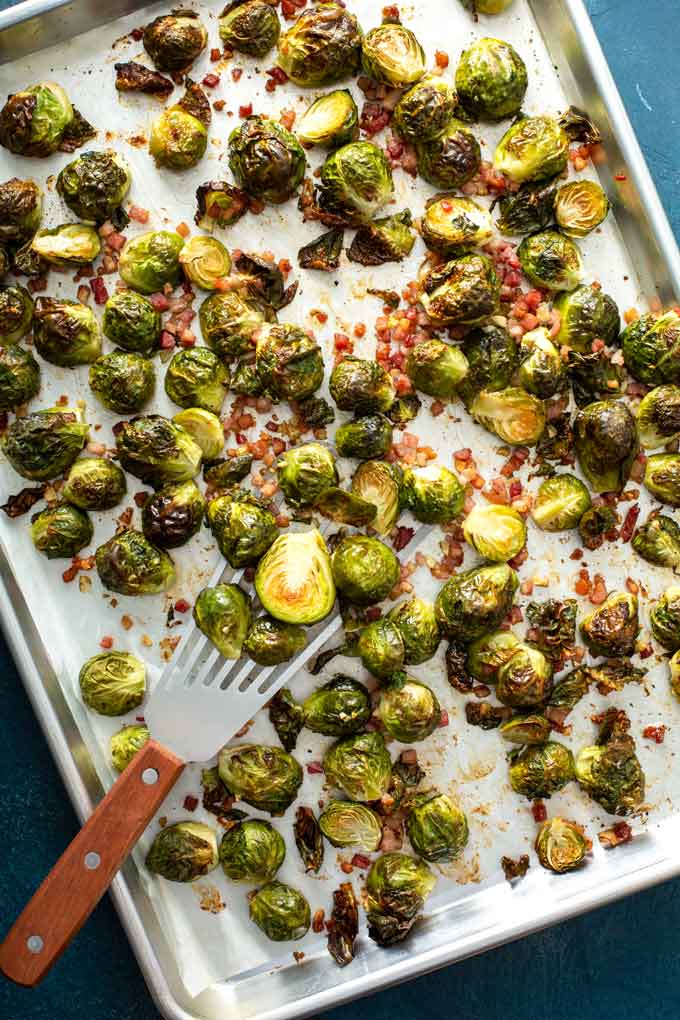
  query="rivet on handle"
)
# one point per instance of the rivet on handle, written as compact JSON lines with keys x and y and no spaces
{"x":92,"y":860}
{"x":34,"y":944}
{"x":149,"y":776}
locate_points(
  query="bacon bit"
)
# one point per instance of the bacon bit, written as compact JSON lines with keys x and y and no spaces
{"x":83,"y":293}
{"x":138,"y":214}
{"x":346,"y":867}
{"x":599,"y":590}
{"x":616,"y":836}
{"x":101,"y":294}
{"x":183,"y":229}
{"x":631,"y":315}
{"x":360,"y":330}
{"x":147,"y":641}
{"x":215,"y":55}
{"x":402,"y":538}
{"x":441,"y":59}
{"x":391,"y":839}
{"x":655,"y":733}
{"x":582,"y":586}
{"x":167,"y":341}
{"x":632,"y":586}
{"x":236,"y":73}
{"x":620,"y":177}
{"x":137,"y":34}
{"x":645,"y":651}
{"x":126,"y":622}
{"x":320,"y":316}
{"x":539,"y":811}
{"x":516,"y":615}
{"x":361,"y":861}
{"x":210,"y":80}
{"x":159,"y":301}
{"x":37,"y":283}
{"x":318,"y":921}
{"x":116,"y":241}
{"x":245,"y":111}
{"x":106,"y":642}
{"x":576,"y":555}
{"x":630,"y":521}
{"x":190,"y":803}
{"x":287,"y":118}
{"x":314,"y":768}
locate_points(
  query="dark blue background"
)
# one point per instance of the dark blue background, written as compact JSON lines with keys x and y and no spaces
{"x":622,"y":959}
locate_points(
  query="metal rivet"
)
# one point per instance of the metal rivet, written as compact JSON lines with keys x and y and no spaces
{"x":34,"y":944}
{"x":149,"y":776}
{"x":92,"y":861}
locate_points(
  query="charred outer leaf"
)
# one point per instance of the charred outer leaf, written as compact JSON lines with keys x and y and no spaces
{"x":308,"y":839}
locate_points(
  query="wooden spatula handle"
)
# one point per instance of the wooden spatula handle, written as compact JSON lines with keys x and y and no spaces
{"x":85,"y":870}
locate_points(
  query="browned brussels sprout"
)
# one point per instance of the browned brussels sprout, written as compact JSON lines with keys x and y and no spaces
{"x":355,"y":182}
{"x":492,"y":357}
{"x":515,"y":416}
{"x":542,"y":769}
{"x":525,"y":678}
{"x":134,"y":77}
{"x":437,"y":828}
{"x":243,"y":527}
{"x":266,"y":159}
{"x":476,"y":602}
{"x":179,"y":137}
{"x":379,"y":483}
{"x":542,"y":370}
{"x":94,"y":186}
{"x":561,"y":846}
{"x":197,"y":378}
{"x":397,"y":886}
{"x":610,"y":771}
{"x":305,"y":472}
{"x":486,"y":655}
{"x":61,"y":531}
{"x":157,"y":450}
{"x":270,"y":642}
{"x":389,"y":239}
{"x":532,"y":149}
{"x":262,"y":278}
{"x":281,"y":912}
{"x":526,"y":729}
{"x":391,"y":54}
{"x":19,"y":377}
{"x":527,"y":210}
{"x":150,"y":260}
{"x":267,"y":778}
{"x":364,"y":438}
{"x":606,"y":444}
{"x":129,"y":565}
{"x":323,"y":254}
{"x":44,"y":444}
{"x":33,"y":121}
{"x":224,"y":614}
{"x":408,"y":709}
{"x":183,"y":852}
{"x":381,"y":648}
{"x":252,"y":850}
{"x":665,"y":619}
{"x":580,"y":207}
{"x":433,"y":494}
{"x":551,"y":260}
{"x":658,"y":541}
{"x":131,"y":321}
{"x":68,"y":244}
{"x":453,"y":225}
{"x":173,"y":515}
{"x":341,"y":707}
{"x":586,"y":314}
{"x":416,"y":623}
{"x":16,"y":313}
{"x":360,"y":766}
{"x":123,"y":381}
{"x":321,"y":47}
{"x":463,"y":292}
{"x":294,"y":580}
{"x":331,"y":121}
{"x":612,"y":628}
{"x":496,"y":532}
{"x":651,"y":348}
{"x":95,"y":483}
{"x":364,"y":569}
{"x":662,"y":477}
{"x":451,"y":158}
{"x":285,"y":713}
{"x":249,"y":26}
{"x":560,"y":503}
{"x":423,"y":112}
{"x":345,"y":507}
{"x":658,"y":416}
{"x":219,"y":204}
{"x":289,"y":362}
{"x":491,"y":80}
{"x":362,"y":386}
{"x":229,"y":320}
{"x":436,"y":368}
{"x":174,"y":41}
{"x":20,"y":210}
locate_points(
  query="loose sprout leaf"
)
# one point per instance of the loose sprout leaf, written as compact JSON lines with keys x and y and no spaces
{"x":344,"y":925}
{"x":287,"y":717}
{"x":579,"y":126}
{"x":134,"y":77}
{"x":21,"y":502}
{"x":308,"y":839}
{"x":323,"y":254}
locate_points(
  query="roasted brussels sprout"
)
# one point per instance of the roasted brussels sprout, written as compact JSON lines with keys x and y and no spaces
{"x":125,"y":744}
{"x":381,"y":648}
{"x":157,"y":450}
{"x":249,"y":26}
{"x":527,"y":210}
{"x":294,"y":580}
{"x":270,"y":642}
{"x":344,"y":507}
{"x":129,"y":565}
{"x":308,"y":839}
{"x":197,"y":378}
{"x":66,"y":332}
{"x":179,"y":136}
{"x":463,"y":292}
{"x":360,"y":766}
{"x":436,"y":368}
{"x":94,"y":483}
{"x":69,"y":244}
{"x":379,"y":483}
{"x":674,"y":666}
{"x":526,"y":729}
{"x":19,"y":377}
{"x":205,"y":261}
{"x":542,"y":370}
{"x":16,"y":313}
{"x":658,"y":417}
{"x":560,"y":503}
{"x":437,"y":828}
{"x":341,"y":707}
{"x":205,"y":428}
{"x":609,"y":771}
{"x":664,"y":619}
{"x":532,"y":149}
{"x":355,"y":182}
{"x":243,"y":527}
{"x":61,"y":531}
{"x":226,"y":472}
{"x":487,"y":654}
{"x":491,"y":80}
{"x":452,"y":225}
{"x":323,"y":253}
{"x":492,"y":359}
{"x":266,"y":159}
{"x":131,"y":322}
{"x":388,"y":239}
{"x":345,"y":823}
{"x":586,"y":314}
{"x":662,"y":477}
{"x":612,"y":628}
{"x":595,"y":524}
{"x":424,"y":111}
{"x":305,"y":472}
{"x":113,"y":683}
{"x":44,"y":444}
{"x":408,"y":709}
{"x":267,"y":778}
{"x":94,"y":185}
{"x":498,"y":533}
{"x":281,"y":912}
{"x":20,"y":210}
{"x":580,"y":207}
{"x":321,"y":47}
{"x":475,"y":602}
{"x":27,"y":261}
{"x":173,"y":515}
{"x":364,"y":438}
{"x":229,"y":319}
{"x":486,"y":6}
{"x":561,"y":846}
{"x":658,"y":541}
{"x":252,"y":850}
{"x":149,"y":261}
{"x":33,"y":121}
{"x":331,"y":121}
{"x":651,"y":348}
{"x":392,"y":55}
{"x":525,"y":678}
{"x":606,"y":444}
{"x":289,"y":362}
{"x":364,"y":569}
{"x":263,"y":278}
{"x":542,"y":769}
{"x":551,"y":260}
{"x":364,"y":387}
{"x":417,"y":625}
{"x":183,"y":852}
{"x":451,"y":158}
{"x":124,"y":382}
{"x":219,"y":204}
{"x":174,"y":41}
{"x":433,"y":494}
{"x":397,"y":886}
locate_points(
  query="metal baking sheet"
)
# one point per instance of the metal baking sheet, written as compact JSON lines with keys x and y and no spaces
{"x":477,"y":909}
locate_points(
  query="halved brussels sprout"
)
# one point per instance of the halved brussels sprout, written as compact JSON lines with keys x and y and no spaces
{"x":157,"y":450}
{"x":355,"y":182}
{"x":305,"y":472}
{"x":205,"y":261}
{"x":94,"y":185}
{"x":331,"y":121}
{"x":388,"y":239}
{"x":61,"y":531}
{"x":270,"y":642}
{"x":173,"y":515}
{"x":560,"y":503}
{"x":651,"y":348}
{"x":433,"y":494}
{"x":606,"y":444}
{"x":252,"y":850}
{"x":123,"y":381}
{"x":379,"y":483}
{"x":491,"y":80}
{"x":262,"y":277}
{"x":492,"y":359}
{"x":658,"y":541}
{"x":452,"y":225}
{"x":487,"y":654}
{"x":20,"y":210}
{"x":113,"y":683}
{"x":266,"y":159}
{"x":580,"y":207}
{"x":498,"y":533}
{"x":341,"y":707}
{"x":561,"y":845}
{"x":397,"y":886}
{"x":66,"y":332}
{"x":321,"y":47}
{"x":542,"y":370}
{"x":130,"y":565}
{"x":609,"y":771}
{"x":664,"y":619}
{"x":391,"y":54}
{"x":612,"y":628}
{"x":16,"y":313}
{"x":658,"y":417}
{"x":451,"y":158}
{"x":125,"y":744}
{"x":361,"y":386}
{"x":288,"y":361}
{"x":149,"y":261}
{"x":205,"y":428}
{"x":365,"y":570}
{"x":249,"y":26}
{"x":224,"y":614}
{"x":436,"y":368}
{"x":33,"y":121}
{"x":294,"y":580}
{"x":183,"y":852}
{"x":19,"y":377}
{"x":526,"y":729}
{"x":417,"y":625}
{"x":267,"y":778}
{"x":345,"y":508}
{"x":542,"y":769}
{"x":44,"y":444}
{"x":219,"y":204}
{"x":525,"y":678}
{"x":360,"y":766}
{"x":527,"y":210}
{"x":230,"y":319}
{"x":551,"y":260}
{"x":197,"y":378}
{"x":226,"y":472}
{"x":662,"y":477}
{"x":586,"y":314}
{"x":674,"y":666}
{"x":281,"y":912}
{"x":424,"y":111}
{"x":95,"y":483}
{"x":131,"y":322}
{"x":69,"y":244}
{"x":437,"y":828}
{"x":174,"y":41}
{"x":463,"y":292}
{"x":381,"y":648}
{"x":323,"y":253}
{"x":243,"y":527}
{"x":532,"y":149}
{"x":345,"y":823}
{"x":364,"y":438}
{"x":408,"y":709}
{"x":475,"y":602}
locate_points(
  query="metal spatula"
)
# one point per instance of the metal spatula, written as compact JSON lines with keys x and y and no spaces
{"x":192,"y":713}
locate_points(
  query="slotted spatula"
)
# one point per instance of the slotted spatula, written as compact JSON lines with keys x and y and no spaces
{"x":192,"y":714}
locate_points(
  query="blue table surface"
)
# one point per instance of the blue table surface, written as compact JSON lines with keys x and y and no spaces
{"x":622,"y":957}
